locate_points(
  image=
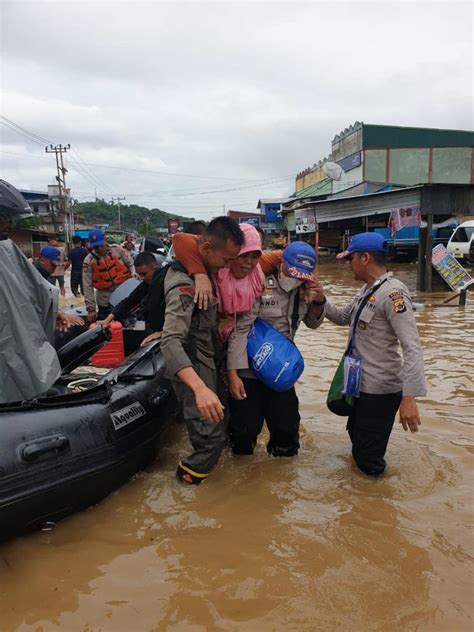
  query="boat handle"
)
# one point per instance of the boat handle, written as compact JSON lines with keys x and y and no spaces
{"x":159,"y":398}
{"x":39,"y":447}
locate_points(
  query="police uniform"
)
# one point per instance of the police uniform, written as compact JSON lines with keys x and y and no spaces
{"x":386,"y":320}
{"x":188,"y":341}
{"x":117,"y":267}
{"x":283,"y":309}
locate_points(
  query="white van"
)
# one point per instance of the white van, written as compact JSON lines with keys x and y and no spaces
{"x":461,"y":240}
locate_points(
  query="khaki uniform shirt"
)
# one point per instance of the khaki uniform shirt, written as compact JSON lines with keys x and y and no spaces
{"x":386,"y":320}
{"x":275,"y":306}
{"x":101,"y":296}
{"x":186,"y":328}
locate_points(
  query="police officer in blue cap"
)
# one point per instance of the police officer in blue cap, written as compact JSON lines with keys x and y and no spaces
{"x":388,"y":382}
{"x":47,"y":262}
{"x":289,"y":297}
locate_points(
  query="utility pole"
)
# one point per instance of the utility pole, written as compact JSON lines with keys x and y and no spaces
{"x":118,"y":198}
{"x":63,"y":199}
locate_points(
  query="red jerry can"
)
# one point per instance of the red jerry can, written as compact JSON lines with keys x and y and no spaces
{"x":112,"y":353}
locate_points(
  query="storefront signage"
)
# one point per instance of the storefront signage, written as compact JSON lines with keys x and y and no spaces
{"x":255,"y":221}
{"x":402,"y":217}
{"x":305,"y":221}
{"x":272,"y":212}
{"x":350,"y":162}
{"x":450,"y":269}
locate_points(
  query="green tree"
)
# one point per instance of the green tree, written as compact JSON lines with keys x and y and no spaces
{"x":31,"y":223}
{"x":133,"y":216}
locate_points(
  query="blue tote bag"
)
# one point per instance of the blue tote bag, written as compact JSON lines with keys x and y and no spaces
{"x":274,"y":359}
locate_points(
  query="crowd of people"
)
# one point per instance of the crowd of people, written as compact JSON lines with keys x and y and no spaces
{"x":204,"y":304}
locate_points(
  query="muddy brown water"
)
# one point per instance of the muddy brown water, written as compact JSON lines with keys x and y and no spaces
{"x":270,"y":544}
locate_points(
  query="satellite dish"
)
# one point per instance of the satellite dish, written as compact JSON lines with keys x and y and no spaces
{"x":333,"y":170}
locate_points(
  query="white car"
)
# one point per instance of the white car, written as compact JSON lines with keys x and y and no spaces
{"x":460,"y":241}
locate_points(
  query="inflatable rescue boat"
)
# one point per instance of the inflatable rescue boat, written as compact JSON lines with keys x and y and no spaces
{"x":88,"y":435}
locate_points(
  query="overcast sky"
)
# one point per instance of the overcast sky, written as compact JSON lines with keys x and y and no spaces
{"x":243,"y":95}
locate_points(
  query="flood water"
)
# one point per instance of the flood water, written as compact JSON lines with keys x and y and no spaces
{"x":303,"y":544}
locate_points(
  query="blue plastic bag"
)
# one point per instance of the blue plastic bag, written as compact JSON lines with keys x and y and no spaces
{"x":275,"y":360}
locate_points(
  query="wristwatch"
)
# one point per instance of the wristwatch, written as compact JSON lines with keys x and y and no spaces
{"x":320,"y":303}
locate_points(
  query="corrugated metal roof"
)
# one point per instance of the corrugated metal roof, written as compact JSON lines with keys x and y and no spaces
{"x":361,"y":205}
{"x":319,"y":188}
{"x":273,"y":201}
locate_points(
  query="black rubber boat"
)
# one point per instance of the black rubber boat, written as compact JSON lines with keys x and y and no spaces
{"x":66,"y":451}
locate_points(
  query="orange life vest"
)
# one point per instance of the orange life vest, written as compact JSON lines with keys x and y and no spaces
{"x":108,"y":271}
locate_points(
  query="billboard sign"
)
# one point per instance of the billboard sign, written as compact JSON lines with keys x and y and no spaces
{"x":273,"y":212}
{"x":255,"y":221}
{"x":350,"y":162}
{"x":403,"y":217}
{"x":305,"y":221}
{"x":450,"y":269}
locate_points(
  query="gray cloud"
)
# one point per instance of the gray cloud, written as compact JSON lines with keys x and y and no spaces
{"x":233,"y":91}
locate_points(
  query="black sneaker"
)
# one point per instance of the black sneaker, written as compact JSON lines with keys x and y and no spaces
{"x":188,"y":476}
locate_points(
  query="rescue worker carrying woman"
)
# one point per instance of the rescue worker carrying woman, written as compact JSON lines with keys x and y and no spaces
{"x":290,"y":296}
{"x":267,"y":286}
{"x":103,"y":270}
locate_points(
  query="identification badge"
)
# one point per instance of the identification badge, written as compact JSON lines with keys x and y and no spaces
{"x":352,"y":375}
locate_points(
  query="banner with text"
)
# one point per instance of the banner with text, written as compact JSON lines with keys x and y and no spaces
{"x":450,"y":269}
{"x":255,"y":221}
{"x":273,"y":212}
{"x":305,"y":221}
{"x":401,"y":217}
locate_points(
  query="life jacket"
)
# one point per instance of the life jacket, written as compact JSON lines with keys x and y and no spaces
{"x":108,"y":271}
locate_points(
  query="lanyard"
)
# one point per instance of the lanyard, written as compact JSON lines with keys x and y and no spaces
{"x":361,"y":306}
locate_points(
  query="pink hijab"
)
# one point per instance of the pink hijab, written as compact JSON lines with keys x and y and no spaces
{"x":237,"y":296}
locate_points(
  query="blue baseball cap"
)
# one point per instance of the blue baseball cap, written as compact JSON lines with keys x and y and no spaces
{"x":51,"y":253}
{"x":96,"y":238}
{"x":365,"y":242}
{"x":301,"y":260}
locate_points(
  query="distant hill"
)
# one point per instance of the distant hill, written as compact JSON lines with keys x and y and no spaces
{"x":133,"y":217}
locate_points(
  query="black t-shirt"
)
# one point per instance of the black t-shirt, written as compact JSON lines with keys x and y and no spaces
{"x":76,"y":256}
{"x":44,"y":273}
{"x":150,"y":297}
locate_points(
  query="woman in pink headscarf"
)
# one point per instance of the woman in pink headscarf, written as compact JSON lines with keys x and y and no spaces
{"x":237,"y":286}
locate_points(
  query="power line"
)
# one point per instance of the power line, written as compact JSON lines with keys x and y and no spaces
{"x":21,"y":133}
{"x":92,"y":175}
{"x":180,"y":193}
{"x":15,"y":127}
{"x":118,"y":198}
{"x":87,"y":174}
{"x":169,"y":173}
{"x":39,"y":140}
{"x":183,"y":175}
{"x":63,"y":198}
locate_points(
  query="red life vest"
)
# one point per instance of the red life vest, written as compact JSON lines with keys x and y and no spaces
{"x":108,"y":271}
